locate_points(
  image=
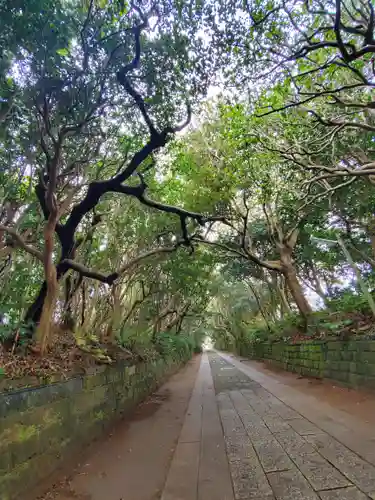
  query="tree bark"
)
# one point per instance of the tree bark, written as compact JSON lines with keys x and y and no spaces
{"x":297,"y":292}
{"x":43,"y":331}
{"x":360,"y":280}
{"x":318,"y":289}
{"x":258,"y":301}
{"x":285,"y":306}
{"x":66,"y":232}
{"x":274,"y":302}
{"x":71,"y":289}
{"x":34,"y":312}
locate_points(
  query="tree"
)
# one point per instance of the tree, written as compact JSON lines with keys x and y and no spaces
{"x":265,"y":209}
{"x":320,"y":57}
{"x":94,"y":110}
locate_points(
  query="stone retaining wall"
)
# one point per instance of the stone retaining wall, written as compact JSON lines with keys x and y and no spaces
{"x":41,"y":427}
{"x":348,"y":362}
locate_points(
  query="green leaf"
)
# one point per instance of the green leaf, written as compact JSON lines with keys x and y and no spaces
{"x":62,"y":52}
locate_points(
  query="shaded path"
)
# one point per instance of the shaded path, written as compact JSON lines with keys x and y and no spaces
{"x":247,"y":434}
{"x":133,"y":461}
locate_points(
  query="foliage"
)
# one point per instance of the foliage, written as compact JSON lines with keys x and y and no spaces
{"x":345,"y":316}
{"x":347,"y":302}
{"x":175,"y":346}
{"x":137,"y":214}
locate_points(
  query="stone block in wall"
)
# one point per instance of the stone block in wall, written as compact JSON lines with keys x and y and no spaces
{"x":29,"y":431}
{"x":32,"y":471}
{"x":89,"y":397}
{"x":333,"y":365}
{"x":321,"y":369}
{"x":353,"y":367}
{"x":317,"y":356}
{"x":355,"y":380}
{"x":333,"y":355}
{"x":347,"y":355}
{"x":352,"y":345}
{"x":342,"y":376}
{"x":363,"y":345}
{"x":334,"y":345}
{"x":344,"y":366}
{"x":368,"y":382}
{"x":40,"y":427}
{"x":349,"y":362}
{"x":334,"y":375}
{"x":366,"y":356}
{"x":22,"y":399}
{"x":361,"y":368}
{"x":366,"y":368}
{"x":95,"y":380}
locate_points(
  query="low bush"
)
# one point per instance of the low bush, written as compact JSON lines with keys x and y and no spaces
{"x":349,"y":302}
{"x":175,"y":346}
{"x":345,"y":315}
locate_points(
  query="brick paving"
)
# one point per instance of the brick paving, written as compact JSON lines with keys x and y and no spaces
{"x":242,"y":442}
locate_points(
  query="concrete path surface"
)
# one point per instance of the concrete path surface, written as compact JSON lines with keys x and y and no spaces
{"x":245,"y":434}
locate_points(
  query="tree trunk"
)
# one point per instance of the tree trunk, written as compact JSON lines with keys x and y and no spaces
{"x":285,"y":306}
{"x":297,"y":292}
{"x":289,"y":271}
{"x":320,"y":292}
{"x":318,"y":289}
{"x":361,"y":281}
{"x":177,"y":322}
{"x":34,"y":312}
{"x":71,"y":289}
{"x":115,"y":320}
{"x":274,"y":299}
{"x":43,"y":331}
{"x":329,"y":288}
{"x":258,"y":301}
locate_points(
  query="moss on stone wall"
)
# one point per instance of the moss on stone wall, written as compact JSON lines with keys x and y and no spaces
{"x":42,"y":426}
{"x":348,"y":362}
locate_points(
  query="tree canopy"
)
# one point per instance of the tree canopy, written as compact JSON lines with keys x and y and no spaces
{"x":135,"y":205}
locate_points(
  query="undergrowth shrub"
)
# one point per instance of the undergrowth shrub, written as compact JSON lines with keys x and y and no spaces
{"x":175,"y":346}
{"x":343,"y":317}
{"x":349,"y":302}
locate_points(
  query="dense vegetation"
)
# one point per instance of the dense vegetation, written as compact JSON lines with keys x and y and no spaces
{"x":139,"y":213}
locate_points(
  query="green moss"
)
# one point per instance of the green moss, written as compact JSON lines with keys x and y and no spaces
{"x":33,"y":441}
{"x":26,"y":432}
{"x":51,"y":417}
{"x":99,"y":415}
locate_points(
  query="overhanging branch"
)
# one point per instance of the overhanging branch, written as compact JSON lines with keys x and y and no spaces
{"x":272,"y":266}
{"x":22,"y":243}
{"x":109,"y":279}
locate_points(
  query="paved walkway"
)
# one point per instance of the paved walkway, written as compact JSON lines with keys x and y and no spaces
{"x":242,"y":442}
{"x":246,"y":435}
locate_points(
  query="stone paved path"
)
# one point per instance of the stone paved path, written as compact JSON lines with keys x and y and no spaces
{"x":240,"y":441}
{"x":222,"y":429}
